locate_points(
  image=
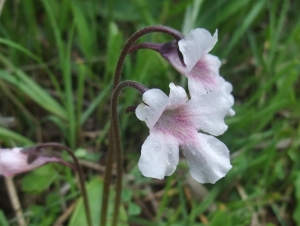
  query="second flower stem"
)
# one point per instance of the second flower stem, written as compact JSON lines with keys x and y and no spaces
{"x":117,"y":140}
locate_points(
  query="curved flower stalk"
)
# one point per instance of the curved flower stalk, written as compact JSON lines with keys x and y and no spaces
{"x":131,"y":41}
{"x":116,"y":145}
{"x":14,"y":161}
{"x":174,"y":123}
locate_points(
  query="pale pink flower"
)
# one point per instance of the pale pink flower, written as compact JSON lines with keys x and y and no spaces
{"x":174,"y":123}
{"x":13,"y":161}
{"x":201,"y":68}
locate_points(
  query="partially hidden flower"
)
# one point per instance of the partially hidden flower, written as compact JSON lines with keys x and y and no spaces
{"x":14,"y":161}
{"x":190,"y":56}
{"x":174,"y":123}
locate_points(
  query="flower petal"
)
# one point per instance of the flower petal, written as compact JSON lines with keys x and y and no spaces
{"x":170,"y":52}
{"x":159,"y":155}
{"x":177,"y":95}
{"x":231,"y":112}
{"x":195,"y":44}
{"x":226,"y":89}
{"x":208,"y":158}
{"x":155,"y":102}
{"x":13,"y":161}
{"x":207,"y":112}
{"x":204,"y":77}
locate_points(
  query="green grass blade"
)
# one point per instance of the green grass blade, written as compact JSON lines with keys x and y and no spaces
{"x":56,"y":31}
{"x":10,"y":137}
{"x":191,"y":14}
{"x":96,"y":102}
{"x":23,"y":83}
{"x":3,"y":220}
{"x":86,"y":37}
{"x":69,"y":91}
{"x":34,"y":57}
{"x":245,"y":24}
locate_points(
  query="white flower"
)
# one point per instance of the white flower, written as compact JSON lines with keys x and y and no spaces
{"x":201,"y":68}
{"x":174,"y":123}
{"x":13,"y":161}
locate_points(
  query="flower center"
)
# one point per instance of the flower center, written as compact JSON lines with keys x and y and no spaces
{"x":176,"y":122}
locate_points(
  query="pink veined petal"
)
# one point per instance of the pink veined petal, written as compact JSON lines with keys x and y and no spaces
{"x":204,"y":77}
{"x":208,"y":158}
{"x":177,"y":95}
{"x":155,"y":102}
{"x":194,"y":45}
{"x":207,"y":112}
{"x":159,"y":155}
{"x":12,"y":162}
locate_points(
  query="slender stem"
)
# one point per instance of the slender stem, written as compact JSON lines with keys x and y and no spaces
{"x":80,"y":172}
{"x":115,"y":146}
{"x":145,"y":45}
{"x":156,"y":28}
{"x":107,"y":177}
{"x":117,"y":140}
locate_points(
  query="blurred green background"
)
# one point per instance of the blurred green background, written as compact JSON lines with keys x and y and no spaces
{"x":57,"y":62}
